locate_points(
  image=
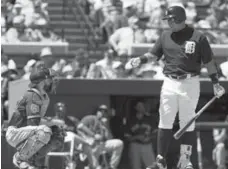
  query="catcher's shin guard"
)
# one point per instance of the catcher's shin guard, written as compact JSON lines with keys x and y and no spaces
{"x":33,"y":144}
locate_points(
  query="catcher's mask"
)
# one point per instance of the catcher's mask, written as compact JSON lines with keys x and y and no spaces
{"x":48,"y":76}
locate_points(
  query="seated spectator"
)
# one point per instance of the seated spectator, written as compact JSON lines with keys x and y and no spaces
{"x":224,"y":69}
{"x":17,"y":10}
{"x":10,"y":75}
{"x":139,"y":135}
{"x":28,"y":69}
{"x":120,"y":70}
{"x":78,"y":67}
{"x":150,"y":70}
{"x":39,"y":13}
{"x":220,"y":150}
{"x":190,"y":13}
{"x":59,"y":65}
{"x":130,"y":8}
{"x":148,"y":6}
{"x":19,"y":32}
{"x":109,"y":5}
{"x":95,"y":131}
{"x":7,"y":63}
{"x":154,"y":23}
{"x":105,"y":65}
{"x":122,"y":38}
{"x":212,"y":18}
{"x":46,"y":57}
{"x":43,"y":33}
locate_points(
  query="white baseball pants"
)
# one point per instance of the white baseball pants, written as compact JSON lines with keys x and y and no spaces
{"x":178,"y":96}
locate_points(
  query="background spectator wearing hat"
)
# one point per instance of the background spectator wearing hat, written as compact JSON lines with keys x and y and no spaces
{"x":105,"y":65}
{"x":130,"y":8}
{"x":78,"y":67}
{"x":46,"y":57}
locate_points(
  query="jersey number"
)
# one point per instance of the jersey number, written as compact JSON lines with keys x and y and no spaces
{"x":190,"y":47}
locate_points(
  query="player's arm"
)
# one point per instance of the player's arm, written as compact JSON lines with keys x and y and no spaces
{"x":114,"y":39}
{"x":153,"y":54}
{"x":83,"y":128}
{"x":209,"y":63}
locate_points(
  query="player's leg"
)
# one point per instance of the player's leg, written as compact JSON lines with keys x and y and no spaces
{"x":135,"y":155}
{"x":167,"y":111}
{"x":40,"y":137}
{"x":147,"y":154}
{"x":188,"y":99}
{"x":115,"y":148}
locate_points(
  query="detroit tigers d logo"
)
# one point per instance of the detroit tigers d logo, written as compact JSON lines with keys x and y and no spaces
{"x":190,"y":47}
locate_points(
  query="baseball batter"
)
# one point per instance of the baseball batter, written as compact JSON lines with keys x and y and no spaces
{"x":184,"y":50}
{"x":25,"y":132}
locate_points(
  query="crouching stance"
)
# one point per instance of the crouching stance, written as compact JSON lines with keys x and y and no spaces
{"x":28,"y":131}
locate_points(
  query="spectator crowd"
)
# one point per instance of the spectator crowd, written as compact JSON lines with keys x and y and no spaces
{"x":26,"y":21}
{"x":142,"y":23}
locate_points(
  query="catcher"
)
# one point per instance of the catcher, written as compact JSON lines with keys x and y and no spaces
{"x":28,"y":131}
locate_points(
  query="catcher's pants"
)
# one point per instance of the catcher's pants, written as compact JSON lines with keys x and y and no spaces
{"x":141,"y":155}
{"x":178,"y":96}
{"x":28,"y":140}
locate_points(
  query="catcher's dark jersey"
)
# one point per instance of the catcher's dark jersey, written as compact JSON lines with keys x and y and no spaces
{"x":183,"y":51}
{"x":30,"y":109}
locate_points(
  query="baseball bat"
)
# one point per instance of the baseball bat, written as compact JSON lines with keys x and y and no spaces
{"x":181,"y":131}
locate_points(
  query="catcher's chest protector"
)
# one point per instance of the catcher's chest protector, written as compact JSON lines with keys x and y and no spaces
{"x":31,"y":106}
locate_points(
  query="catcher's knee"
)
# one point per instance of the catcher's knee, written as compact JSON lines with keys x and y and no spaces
{"x":43,"y":134}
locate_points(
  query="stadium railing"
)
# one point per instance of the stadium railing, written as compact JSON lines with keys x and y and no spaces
{"x":34,"y":47}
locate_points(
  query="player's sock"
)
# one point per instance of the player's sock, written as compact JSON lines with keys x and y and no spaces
{"x":163,"y":141}
{"x":185,"y":154}
{"x":187,"y":141}
{"x":188,"y":138}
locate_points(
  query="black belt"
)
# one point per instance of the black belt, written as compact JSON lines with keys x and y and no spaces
{"x":181,"y":77}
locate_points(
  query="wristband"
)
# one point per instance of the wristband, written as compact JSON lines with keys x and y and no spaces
{"x":143,"y":59}
{"x":214,"y":78}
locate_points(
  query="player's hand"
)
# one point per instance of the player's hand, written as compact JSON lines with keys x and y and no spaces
{"x":218,"y":90}
{"x":133,"y":63}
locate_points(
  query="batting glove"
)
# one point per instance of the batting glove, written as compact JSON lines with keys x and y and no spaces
{"x":133,"y":63}
{"x":218,"y":90}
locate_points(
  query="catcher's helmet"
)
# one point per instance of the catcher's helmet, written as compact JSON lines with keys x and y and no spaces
{"x":175,"y":12}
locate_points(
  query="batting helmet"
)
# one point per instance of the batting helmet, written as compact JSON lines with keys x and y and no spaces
{"x":175,"y":12}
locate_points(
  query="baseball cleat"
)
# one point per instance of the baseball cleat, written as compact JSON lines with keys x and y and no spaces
{"x":186,"y":166}
{"x":159,"y":164}
{"x":189,"y":166}
{"x":21,"y":164}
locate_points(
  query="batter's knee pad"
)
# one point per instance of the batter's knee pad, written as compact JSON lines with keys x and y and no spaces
{"x":34,"y":143}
